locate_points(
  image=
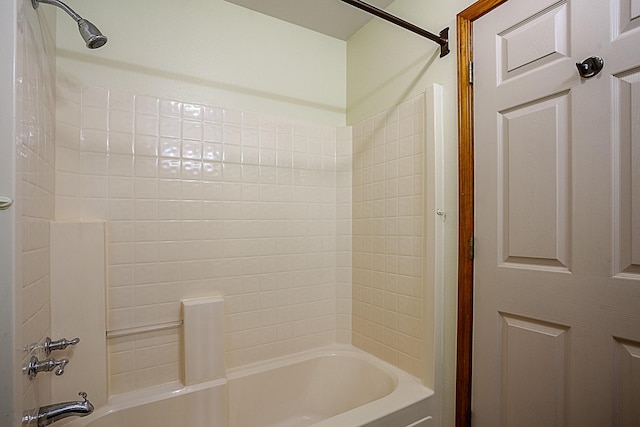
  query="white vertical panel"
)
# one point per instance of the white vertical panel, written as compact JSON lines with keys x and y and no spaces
{"x":434,"y":242}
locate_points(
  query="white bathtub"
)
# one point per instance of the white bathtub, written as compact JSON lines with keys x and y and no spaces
{"x":330,"y":387}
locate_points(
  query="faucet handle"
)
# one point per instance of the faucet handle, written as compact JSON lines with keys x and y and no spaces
{"x":83,"y":395}
{"x":60,"y":344}
{"x":60,"y":364}
{"x":48,"y":365}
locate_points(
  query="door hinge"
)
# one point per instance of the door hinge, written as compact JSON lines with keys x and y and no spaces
{"x":472,"y":247}
{"x":470,"y":72}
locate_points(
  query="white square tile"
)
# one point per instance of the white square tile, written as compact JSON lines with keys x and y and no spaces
{"x":250,"y":155}
{"x":232,"y":117}
{"x":146,"y":167}
{"x":192,"y":149}
{"x":170,"y":127}
{"x":212,"y":132}
{"x":95,"y":97}
{"x":147,"y":105}
{"x":192,"y":130}
{"x":67,"y":136}
{"x":213,"y":114}
{"x":94,"y":164}
{"x":192,"y":112}
{"x":120,"y":143}
{"x":169,"y":108}
{"x":120,"y":165}
{"x":231,"y":153}
{"x":67,"y":112}
{"x":267,"y":139}
{"x":94,"y":118}
{"x":146,"y":145}
{"x":121,"y":121}
{"x":147,"y":124}
{"x":170,"y":147}
{"x":122,"y":101}
{"x":191,"y":170}
{"x":211,"y":171}
{"x":120,"y":210}
{"x":94,"y":140}
{"x":67,"y":184}
{"x":212,"y":151}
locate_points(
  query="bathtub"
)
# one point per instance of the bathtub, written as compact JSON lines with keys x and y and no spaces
{"x":337,"y":386}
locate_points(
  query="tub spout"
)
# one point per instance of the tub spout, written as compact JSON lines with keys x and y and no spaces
{"x":51,"y":413}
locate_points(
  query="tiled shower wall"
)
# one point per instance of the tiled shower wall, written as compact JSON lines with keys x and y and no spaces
{"x":388,"y":227}
{"x":201,"y":200}
{"x":34,"y":204}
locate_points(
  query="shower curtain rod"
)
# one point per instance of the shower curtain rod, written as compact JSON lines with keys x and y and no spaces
{"x":442,"y":39}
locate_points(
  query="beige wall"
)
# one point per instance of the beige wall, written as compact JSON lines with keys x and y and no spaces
{"x":210,"y":52}
{"x":201,"y":201}
{"x":388,"y":65}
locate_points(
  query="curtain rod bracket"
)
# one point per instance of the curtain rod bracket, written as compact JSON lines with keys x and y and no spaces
{"x":442,"y":39}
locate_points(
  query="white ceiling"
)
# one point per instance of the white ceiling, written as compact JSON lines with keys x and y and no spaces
{"x":331,"y":17}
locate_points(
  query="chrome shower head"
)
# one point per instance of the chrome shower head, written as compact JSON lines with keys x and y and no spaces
{"x":89,"y":32}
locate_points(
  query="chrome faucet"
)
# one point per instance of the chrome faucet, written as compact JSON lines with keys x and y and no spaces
{"x":51,"y":413}
{"x":36,"y":366}
{"x":49,"y":345}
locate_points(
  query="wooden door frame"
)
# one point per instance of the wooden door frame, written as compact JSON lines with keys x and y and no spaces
{"x":464,"y":23}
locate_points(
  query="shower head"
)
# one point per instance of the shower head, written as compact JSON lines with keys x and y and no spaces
{"x":89,"y":32}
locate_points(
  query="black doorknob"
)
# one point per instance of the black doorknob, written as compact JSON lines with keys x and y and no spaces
{"x":590,"y":67}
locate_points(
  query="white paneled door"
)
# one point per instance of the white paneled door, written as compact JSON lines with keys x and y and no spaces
{"x":557,"y":215}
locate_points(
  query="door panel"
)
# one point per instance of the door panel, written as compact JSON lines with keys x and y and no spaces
{"x":628,"y":14}
{"x":532,"y":137}
{"x":531,"y":348}
{"x":627,"y":364}
{"x":626,"y":144}
{"x":557,"y":208}
{"x":533,"y":42}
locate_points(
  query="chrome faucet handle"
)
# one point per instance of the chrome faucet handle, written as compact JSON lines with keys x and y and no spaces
{"x":59,"y":366}
{"x":60,"y":344}
{"x":34,"y":366}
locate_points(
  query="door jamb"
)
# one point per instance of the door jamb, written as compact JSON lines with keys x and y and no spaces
{"x":464,"y":24}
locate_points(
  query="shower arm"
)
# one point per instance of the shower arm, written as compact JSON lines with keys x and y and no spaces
{"x":61,"y":5}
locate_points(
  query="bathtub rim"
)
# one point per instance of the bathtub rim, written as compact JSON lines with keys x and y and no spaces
{"x":409,"y":390}
{"x":331,"y":350}
{"x":124,"y":401}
